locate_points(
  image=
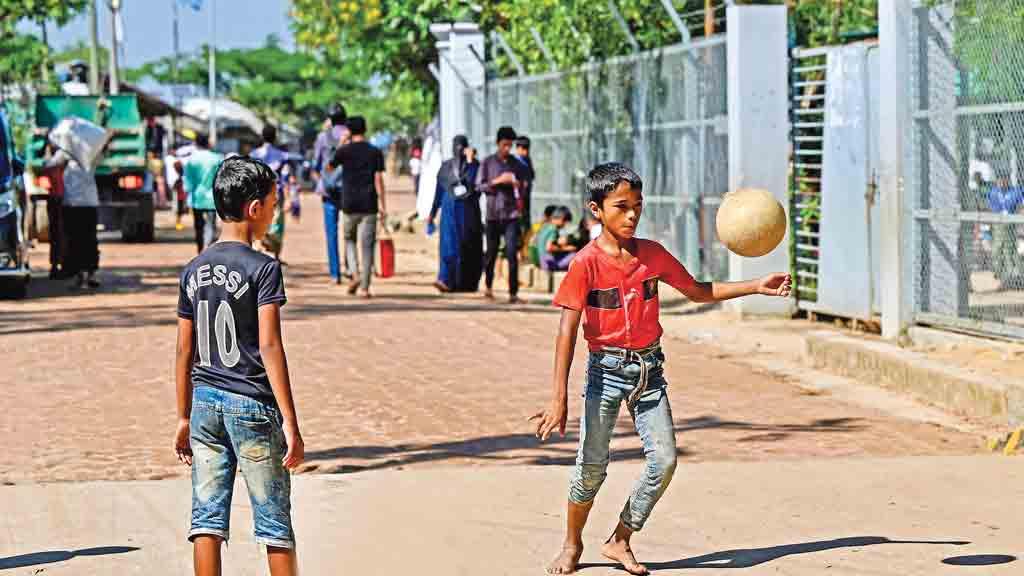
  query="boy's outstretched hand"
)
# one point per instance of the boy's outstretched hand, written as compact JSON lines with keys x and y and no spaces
{"x":182,"y":445}
{"x":550,"y":419}
{"x":777,"y":284}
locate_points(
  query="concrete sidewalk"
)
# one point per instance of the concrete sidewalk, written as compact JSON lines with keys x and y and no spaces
{"x":865,"y":516}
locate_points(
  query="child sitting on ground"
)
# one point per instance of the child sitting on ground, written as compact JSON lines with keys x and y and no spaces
{"x":555,"y":249}
{"x":613,"y":283}
{"x":235,"y":407}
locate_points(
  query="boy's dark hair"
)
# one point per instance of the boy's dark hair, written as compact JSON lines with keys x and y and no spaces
{"x":337,"y":114}
{"x":202,"y":140}
{"x":563,"y":212}
{"x":506,"y":133}
{"x":549,"y":211}
{"x":523,"y":141}
{"x":240,"y":179}
{"x":604,"y":178}
{"x":357,"y":125}
{"x":269,"y":134}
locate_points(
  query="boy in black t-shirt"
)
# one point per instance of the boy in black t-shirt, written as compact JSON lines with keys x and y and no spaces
{"x":362,"y":199}
{"x":235,"y":407}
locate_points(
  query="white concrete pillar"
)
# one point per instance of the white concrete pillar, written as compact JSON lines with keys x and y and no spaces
{"x":895,"y":19}
{"x":758,"y":68}
{"x":461,"y":74}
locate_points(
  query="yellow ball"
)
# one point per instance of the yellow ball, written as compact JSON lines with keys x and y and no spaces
{"x":751,"y":222}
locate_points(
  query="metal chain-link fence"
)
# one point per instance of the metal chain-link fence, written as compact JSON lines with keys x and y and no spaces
{"x":662,"y":112}
{"x":965,"y":163}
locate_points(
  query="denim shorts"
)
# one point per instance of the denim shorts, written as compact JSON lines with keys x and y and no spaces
{"x":229,"y":432}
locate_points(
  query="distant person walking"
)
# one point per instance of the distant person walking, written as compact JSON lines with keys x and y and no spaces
{"x":80,"y":211}
{"x":199,"y":171}
{"x":527,"y":175}
{"x":363,"y":200}
{"x":498,"y":181}
{"x":334,"y":135}
{"x":277,"y":159}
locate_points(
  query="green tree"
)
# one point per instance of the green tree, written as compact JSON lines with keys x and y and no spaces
{"x":295,"y":87}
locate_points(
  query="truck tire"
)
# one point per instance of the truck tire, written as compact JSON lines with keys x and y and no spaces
{"x":137,"y":224}
{"x":13,"y":289}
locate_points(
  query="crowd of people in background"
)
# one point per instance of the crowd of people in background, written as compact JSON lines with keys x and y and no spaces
{"x":485,"y":208}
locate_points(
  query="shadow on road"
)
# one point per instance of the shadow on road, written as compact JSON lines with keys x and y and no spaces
{"x":980,"y":560}
{"x":557,"y":451}
{"x":750,"y":557}
{"x":53,"y":556}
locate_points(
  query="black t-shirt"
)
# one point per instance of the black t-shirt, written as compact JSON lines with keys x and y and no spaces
{"x":221,"y":291}
{"x":360,"y":161}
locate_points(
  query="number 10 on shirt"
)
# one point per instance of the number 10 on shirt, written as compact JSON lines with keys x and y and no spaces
{"x":224,"y":332}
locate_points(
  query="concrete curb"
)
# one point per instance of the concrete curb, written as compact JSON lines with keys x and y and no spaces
{"x":893,"y":367}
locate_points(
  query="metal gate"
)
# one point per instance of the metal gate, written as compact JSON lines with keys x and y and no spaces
{"x":835,"y":218}
{"x":965,"y":165}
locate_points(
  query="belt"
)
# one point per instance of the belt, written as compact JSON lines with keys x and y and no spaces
{"x":628,"y":355}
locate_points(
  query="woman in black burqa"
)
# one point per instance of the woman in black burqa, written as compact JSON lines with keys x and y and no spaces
{"x":456,"y":198}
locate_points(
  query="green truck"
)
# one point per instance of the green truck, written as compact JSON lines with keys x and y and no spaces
{"x":126,"y":194}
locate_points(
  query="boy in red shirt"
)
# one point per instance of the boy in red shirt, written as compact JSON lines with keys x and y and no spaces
{"x":613,"y":282}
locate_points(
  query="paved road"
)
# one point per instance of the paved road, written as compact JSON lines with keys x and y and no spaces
{"x":848,"y":517}
{"x":408,"y":379}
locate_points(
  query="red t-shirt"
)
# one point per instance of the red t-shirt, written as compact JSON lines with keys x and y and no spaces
{"x":620,"y":301}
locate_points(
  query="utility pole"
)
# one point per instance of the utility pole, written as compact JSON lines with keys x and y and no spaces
{"x":94,"y":57}
{"x":115,"y":81}
{"x":213,"y":73}
{"x":709,"y":18}
{"x":174,"y":71}
{"x":46,"y":62}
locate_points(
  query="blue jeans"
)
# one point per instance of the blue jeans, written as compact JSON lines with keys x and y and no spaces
{"x":610,"y":379}
{"x":232,"y":431}
{"x":331,"y":213}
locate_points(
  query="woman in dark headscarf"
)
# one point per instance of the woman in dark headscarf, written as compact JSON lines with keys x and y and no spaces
{"x":461,"y":226}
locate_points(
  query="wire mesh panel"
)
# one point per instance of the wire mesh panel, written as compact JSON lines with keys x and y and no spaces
{"x":966,"y":164}
{"x":662,"y":112}
{"x":807,"y":118}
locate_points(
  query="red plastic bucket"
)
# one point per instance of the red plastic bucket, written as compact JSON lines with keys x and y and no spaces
{"x":387,"y":257}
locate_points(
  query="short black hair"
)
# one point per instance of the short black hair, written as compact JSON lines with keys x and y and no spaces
{"x":563,"y":212}
{"x":604,"y":178}
{"x":356,"y":125}
{"x":202,"y":140}
{"x":337,"y":114}
{"x":523,"y":141}
{"x":549,"y":210}
{"x":506,"y":133}
{"x":240,"y":179}
{"x":269,"y":134}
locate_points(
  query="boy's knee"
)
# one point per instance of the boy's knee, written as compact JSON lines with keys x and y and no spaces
{"x":662,"y":465}
{"x":587,"y":482}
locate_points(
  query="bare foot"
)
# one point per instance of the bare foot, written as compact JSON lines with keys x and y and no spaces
{"x":353,"y":287}
{"x":619,"y":551}
{"x":516,"y":300}
{"x":488,"y":294}
{"x":566,"y":561}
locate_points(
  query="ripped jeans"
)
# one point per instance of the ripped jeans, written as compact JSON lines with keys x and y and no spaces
{"x":230,"y":431}
{"x":610,"y":380}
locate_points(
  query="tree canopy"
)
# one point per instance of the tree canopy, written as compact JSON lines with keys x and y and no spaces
{"x":393,"y":36}
{"x":292,"y":87}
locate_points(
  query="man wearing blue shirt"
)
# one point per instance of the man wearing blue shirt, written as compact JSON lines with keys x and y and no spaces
{"x":1005,"y":199}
